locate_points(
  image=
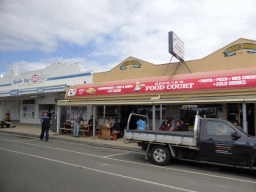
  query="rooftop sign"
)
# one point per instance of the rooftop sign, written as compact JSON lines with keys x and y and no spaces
{"x":176,"y":46}
{"x":232,"y":50}
{"x":136,"y":64}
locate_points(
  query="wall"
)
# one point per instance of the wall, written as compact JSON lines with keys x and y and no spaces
{"x":213,"y":62}
{"x":172,"y":111}
{"x":14,"y":107}
{"x":2,"y":112}
{"x":51,"y":79}
{"x":29,"y":119}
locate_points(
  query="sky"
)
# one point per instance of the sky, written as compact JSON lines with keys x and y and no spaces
{"x":102,"y":33}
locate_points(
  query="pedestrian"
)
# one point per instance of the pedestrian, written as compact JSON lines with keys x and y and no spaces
{"x":49,"y":114}
{"x":45,"y":122}
{"x":181,"y":126}
{"x":7,"y":120}
{"x":109,"y":122}
{"x":237,"y":125}
{"x":8,"y":113}
{"x":90,"y":120}
{"x":141,"y":124}
{"x":164,"y":126}
{"x":76,"y":125}
{"x":116,"y":127}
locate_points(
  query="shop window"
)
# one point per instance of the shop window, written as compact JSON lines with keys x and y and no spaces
{"x":29,"y":101}
{"x":188,"y":112}
{"x":44,"y":108}
{"x":76,"y":111}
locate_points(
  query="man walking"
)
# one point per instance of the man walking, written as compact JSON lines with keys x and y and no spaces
{"x":45,"y":121}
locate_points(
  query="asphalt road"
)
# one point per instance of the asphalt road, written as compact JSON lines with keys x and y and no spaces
{"x":29,"y":164}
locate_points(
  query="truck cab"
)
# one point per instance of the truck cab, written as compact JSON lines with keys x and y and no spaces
{"x":222,"y":142}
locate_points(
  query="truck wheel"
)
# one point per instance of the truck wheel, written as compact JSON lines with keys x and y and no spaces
{"x":160,"y":155}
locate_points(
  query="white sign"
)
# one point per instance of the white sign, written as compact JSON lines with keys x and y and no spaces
{"x":176,"y":46}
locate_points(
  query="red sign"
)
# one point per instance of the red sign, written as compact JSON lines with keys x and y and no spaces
{"x":34,"y":78}
{"x":168,"y":86}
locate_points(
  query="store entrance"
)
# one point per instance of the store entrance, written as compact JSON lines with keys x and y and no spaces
{"x":235,"y":113}
{"x":250,"y":118}
{"x":125,"y":112}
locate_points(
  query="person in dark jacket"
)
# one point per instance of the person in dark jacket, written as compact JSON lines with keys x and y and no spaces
{"x":45,"y":121}
{"x":164,"y":126}
{"x":116,"y":127}
{"x":181,"y":127}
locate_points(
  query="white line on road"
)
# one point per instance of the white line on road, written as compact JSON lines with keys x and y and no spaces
{"x":159,"y":167}
{"x":84,"y":144}
{"x":53,"y":148}
{"x":97,"y":170}
{"x":114,"y":155}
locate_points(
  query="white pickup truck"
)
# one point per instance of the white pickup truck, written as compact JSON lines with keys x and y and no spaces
{"x":212,"y":140}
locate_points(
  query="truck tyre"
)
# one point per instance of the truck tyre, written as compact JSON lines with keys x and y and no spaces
{"x":160,"y":155}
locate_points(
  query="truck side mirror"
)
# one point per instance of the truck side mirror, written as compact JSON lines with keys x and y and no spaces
{"x":235,"y":135}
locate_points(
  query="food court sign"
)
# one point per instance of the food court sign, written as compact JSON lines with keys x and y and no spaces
{"x":232,"y":50}
{"x":167,"y":86}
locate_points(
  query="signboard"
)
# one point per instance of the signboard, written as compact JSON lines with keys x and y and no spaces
{"x":232,"y":50}
{"x":136,"y":64}
{"x":176,"y":46}
{"x":34,"y":78}
{"x":25,"y":80}
{"x":14,"y":92}
{"x":29,"y":111}
{"x":167,"y":86}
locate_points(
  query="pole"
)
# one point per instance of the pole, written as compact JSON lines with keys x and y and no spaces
{"x":58,"y":119}
{"x":244,"y":119}
{"x":94,"y":116}
{"x":161,"y":114}
{"x":154,"y":117}
{"x":104,"y":114}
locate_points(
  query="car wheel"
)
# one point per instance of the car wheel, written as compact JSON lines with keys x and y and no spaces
{"x":160,"y":155}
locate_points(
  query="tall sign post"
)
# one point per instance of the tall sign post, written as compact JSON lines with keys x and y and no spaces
{"x":176,"y":48}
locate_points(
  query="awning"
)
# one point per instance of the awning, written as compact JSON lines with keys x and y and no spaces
{"x":158,"y":101}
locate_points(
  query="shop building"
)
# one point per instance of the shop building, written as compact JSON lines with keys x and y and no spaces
{"x":28,"y":95}
{"x":221,"y":84}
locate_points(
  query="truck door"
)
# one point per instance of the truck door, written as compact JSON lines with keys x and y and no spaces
{"x":218,"y":145}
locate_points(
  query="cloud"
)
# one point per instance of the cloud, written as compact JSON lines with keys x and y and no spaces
{"x":123,"y":28}
{"x":24,"y":66}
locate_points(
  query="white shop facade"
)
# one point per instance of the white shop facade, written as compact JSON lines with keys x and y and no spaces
{"x":28,"y":95}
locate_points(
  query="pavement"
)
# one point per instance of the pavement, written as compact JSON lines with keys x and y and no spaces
{"x":33,"y":130}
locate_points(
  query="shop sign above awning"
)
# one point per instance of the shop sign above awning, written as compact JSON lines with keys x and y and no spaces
{"x":165,"y":86}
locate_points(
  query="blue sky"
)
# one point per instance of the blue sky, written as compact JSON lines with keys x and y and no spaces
{"x":102,"y":33}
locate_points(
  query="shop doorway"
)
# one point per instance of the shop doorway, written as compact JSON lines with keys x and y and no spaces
{"x":235,"y":113}
{"x":125,"y":112}
{"x":250,"y":118}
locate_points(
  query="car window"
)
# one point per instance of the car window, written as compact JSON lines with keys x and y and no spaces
{"x":218,"y":128}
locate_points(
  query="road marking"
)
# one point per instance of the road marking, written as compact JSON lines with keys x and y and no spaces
{"x":59,"y":141}
{"x":145,"y":164}
{"x":54,"y":148}
{"x":100,"y":171}
{"x":114,"y":155}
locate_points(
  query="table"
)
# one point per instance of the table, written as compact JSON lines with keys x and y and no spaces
{"x":106,"y":132}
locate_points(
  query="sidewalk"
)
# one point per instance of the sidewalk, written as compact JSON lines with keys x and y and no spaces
{"x":35,"y":131}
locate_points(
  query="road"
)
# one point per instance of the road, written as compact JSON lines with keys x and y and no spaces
{"x":29,"y":164}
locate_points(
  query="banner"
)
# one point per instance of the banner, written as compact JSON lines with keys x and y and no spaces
{"x":165,"y":86}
